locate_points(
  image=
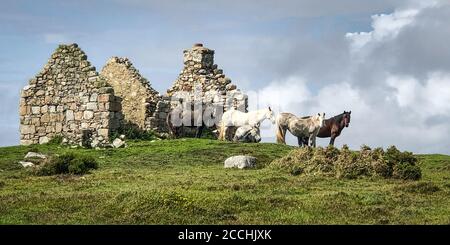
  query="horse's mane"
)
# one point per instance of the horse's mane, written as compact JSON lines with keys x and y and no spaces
{"x":338,"y":118}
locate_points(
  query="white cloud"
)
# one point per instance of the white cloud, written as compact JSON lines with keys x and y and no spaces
{"x":385,"y":27}
{"x":428,"y":98}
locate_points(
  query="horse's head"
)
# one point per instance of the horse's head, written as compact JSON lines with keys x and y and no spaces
{"x":346,"y":118}
{"x":270,"y":115}
{"x":321,"y":118}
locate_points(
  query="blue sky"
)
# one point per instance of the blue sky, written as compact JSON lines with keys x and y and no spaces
{"x":259,"y":45}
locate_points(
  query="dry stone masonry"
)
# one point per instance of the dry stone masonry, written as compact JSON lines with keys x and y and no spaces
{"x":139,"y":99}
{"x":201,"y":75}
{"x":69,"y":98}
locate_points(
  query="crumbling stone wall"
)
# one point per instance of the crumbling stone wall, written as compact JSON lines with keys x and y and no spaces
{"x":139,"y":99}
{"x":67,"y":98}
{"x":202,"y":80}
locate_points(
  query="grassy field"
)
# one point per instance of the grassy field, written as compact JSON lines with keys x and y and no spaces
{"x":184,"y":182}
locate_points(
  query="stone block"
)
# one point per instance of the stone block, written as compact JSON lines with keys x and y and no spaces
{"x":92,"y":106}
{"x":36,"y":109}
{"x":103,"y":98}
{"x":93,"y":97}
{"x":43,"y":140}
{"x":26,"y":142}
{"x":103,"y":132}
{"x":88,"y":115}
{"x":27,"y":129}
{"x":69,"y":115}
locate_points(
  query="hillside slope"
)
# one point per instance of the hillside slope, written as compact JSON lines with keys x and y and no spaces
{"x":184,"y":182}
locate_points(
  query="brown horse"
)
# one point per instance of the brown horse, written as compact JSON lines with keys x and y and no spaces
{"x":333,"y":127}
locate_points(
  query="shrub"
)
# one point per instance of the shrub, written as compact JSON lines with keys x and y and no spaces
{"x":68,"y":163}
{"x":132,"y":131}
{"x":56,"y":140}
{"x":406,"y":171}
{"x":349,"y":164}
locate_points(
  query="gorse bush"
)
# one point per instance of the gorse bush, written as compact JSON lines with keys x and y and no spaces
{"x":68,"y":163}
{"x":347,"y":164}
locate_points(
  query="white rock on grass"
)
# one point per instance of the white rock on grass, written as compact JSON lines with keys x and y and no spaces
{"x":26,"y":164}
{"x":35,"y":155}
{"x":240,"y":162}
{"x":118,"y":143}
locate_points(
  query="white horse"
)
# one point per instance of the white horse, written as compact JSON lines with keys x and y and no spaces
{"x":305,"y":128}
{"x":235,"y":118}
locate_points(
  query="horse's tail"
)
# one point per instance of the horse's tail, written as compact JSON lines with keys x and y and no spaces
{"x":221,"y":129}
{"x":281,"y":131}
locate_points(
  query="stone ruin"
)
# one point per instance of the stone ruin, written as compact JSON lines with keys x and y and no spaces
{"x":139,"y":99}
{"x":69,"y":98}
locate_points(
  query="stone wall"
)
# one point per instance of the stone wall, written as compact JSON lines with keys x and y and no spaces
{"x":202,"y":80}
{"x":67,"y":98}
{"x":139,"y":99}
{"x":199,"y":71}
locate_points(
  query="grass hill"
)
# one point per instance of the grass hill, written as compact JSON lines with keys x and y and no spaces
{"x":183,"y":182}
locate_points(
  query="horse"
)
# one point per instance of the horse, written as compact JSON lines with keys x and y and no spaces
{"x":196,"y":121}
{"x":235,"y":118}
{"x":247,"y":134}
{"x":333,"y":126}
{"x":302,"y":128}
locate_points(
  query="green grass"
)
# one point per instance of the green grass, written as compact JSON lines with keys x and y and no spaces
{"x":183,"y":182}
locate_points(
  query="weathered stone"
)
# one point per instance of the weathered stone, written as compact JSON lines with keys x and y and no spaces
{"x":43,"y":140}
{"x":106,"y":90}
{"x":118,"y":143}
{"x":69,"y":115}
{"x":27,"y":129}
{"x":103,"y":132}
{"x":240,"y":162}
{"x":93,"y":97}
{"x":92,"y":106}
{"x":88,"y":115}
{"x":103,"y":98}
{"x":35,"y":109}
{"x":31,"y":154}
{"x":26,"y":164}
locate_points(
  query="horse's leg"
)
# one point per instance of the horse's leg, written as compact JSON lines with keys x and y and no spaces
{"x":224,"y":133}
{"x":305,"y":141}
{"x":300,"y":141}
{"x":199,"y":131}
{"x":332,"y":140}
{"x":312,"y":141}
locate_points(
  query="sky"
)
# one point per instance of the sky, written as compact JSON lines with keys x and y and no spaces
{"x":386,"y":61}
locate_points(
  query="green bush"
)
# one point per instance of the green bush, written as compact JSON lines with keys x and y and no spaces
{"x":349,"y":164}
{"x":56,"y":140}
{"x":68,"y":163}
{"x":132,"y":131}
{"x":406,"y":171}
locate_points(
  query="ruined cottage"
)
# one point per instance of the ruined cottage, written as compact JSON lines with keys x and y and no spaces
{"x":69,"y":98}
{"x":138,"y":98}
